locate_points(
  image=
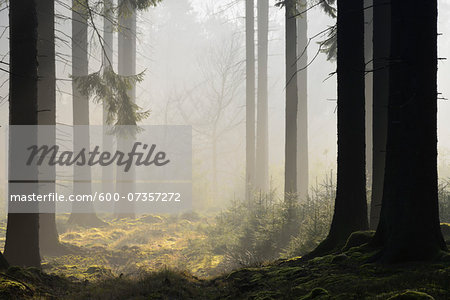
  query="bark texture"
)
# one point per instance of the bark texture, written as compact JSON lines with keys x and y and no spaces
{"x":22,"y":233}
{"x":48,"y":235}
{"x":83,"y":214}
{"x":127,"y":67}
{"x":350,"y":209}
{"x":290,"y":156}
{"x":262,"y":116}
{"x":368,"y":58}
{"x":250,"y":113}
{"x":302,"y":114}
{"x":107,"y":60}
{"x":409,"y":226}
{"x":381,"y":62}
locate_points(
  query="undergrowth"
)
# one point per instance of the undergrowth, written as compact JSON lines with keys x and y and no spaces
{"x":243,"y":252}
{"x":346,"y":275}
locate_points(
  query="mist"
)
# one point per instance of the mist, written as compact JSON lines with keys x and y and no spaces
{"x":177,"y":77}
{"x":178,"y":48}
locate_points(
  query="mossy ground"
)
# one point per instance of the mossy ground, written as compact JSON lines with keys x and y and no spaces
{"x":343,"y":276}
{"x":133,"y":246}
{"x":155,"y":257}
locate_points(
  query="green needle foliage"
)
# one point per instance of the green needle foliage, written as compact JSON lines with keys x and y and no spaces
{"x":106,"y":86}
{"x":329,"y":46}
{"x":124,"y":6}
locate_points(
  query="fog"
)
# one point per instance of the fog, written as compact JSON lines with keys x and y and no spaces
{"x":182,"y":48}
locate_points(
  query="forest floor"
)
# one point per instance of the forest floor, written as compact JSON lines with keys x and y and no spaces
{"x":133,"y":246}
{"x":160,"y":257}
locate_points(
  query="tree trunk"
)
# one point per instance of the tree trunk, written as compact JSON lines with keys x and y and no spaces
{"x":82,"y":212}
{"x":250,"y":99}
{"x":409,"y":226}
{"x":22,"y":233}
{"x":262,"y":129}
{"x":290,"y":166}
{"x":381,"y":53}
{"x":368,"y":55}
{"x":127,"y":67}
{"x":350,"y":209}
{"x":107,"y":171}
{"x":302,"y":114}
{"x":48,"y":234}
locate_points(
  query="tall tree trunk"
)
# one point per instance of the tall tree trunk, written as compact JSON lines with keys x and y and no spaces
{"x":22,"y":233}
{"x":290,"y":166}
{"x":107,"y":60}
{"x":262,"y":128}
{"x":381,"y":53}
{"x":48,"y":234}
{"x":127,"y":67}
{"x":250,"y":98}
{"x":302,"y":114}
{"x":350,"y":209}
{"x":409,"y":225}
{"x":368,"y":55}
{"x":82,"y":212}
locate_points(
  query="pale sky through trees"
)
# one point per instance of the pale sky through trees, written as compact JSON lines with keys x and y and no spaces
{"x":172,"y":57}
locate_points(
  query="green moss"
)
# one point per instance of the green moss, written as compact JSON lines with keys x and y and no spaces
{"x":98,"y":271}
{"x":339,"y":258}
{"x":267,"y":295}
{"x":317,"y":293}
{"x":166,"y":284}
{"x":150,"y":219}
{"x":191,"y":216}
{"x":24,"y":283}
{"x":24,"y":273}
{"x":71,"y":236}
{"x":148,"y":243}
{"x":358,"y":238}
{"x":315,"y":279}
{"x":411,"y":295}
{"x":10,"y":289}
